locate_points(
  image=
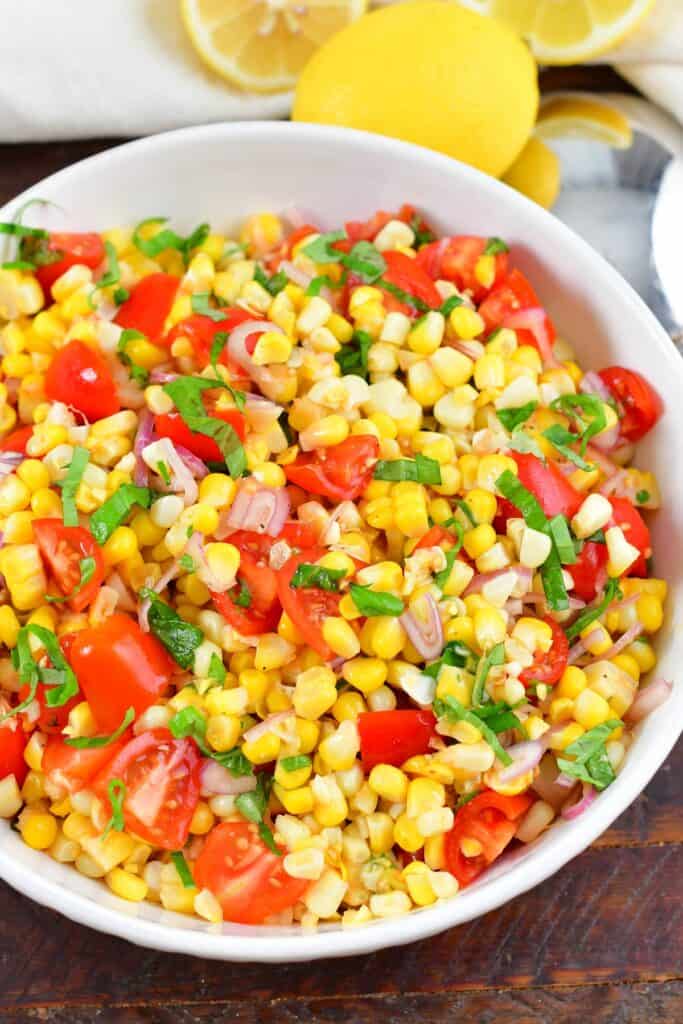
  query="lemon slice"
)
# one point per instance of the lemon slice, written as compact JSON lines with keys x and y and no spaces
{"x":582,"y":117}
{"x":568,"y":31}
{"x":262,"y":45}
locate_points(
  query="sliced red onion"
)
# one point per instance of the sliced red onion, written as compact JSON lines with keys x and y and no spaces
{"x":182,"y":480}
{"x":192,"y":461}
{"x":534,"y":597}
{"x":425,"y":634}
{"x":524,"y":577}
{"x":649,"y":699}
{"x":471,"y":349}
{"x":104,"y":605}
{"x":160,"y":376}
{"x":143,"y":437}
{"x":593,"y":384}
{"x":260,"y":412}
{"x":296,"y":274}
{"x":195,"y":549}
{"x":161,"y":584}
{"x":606,"y":465}
{"x":273,"y":723}
{"x":525,"y":756}
{"x":298,"y":217}
{"x":260,"y":509}
{"x":238,"y":337}
{"x":588,"y":796}
{"x":9,"y":462}
{"x":126,"y":601}
{"x":130,"y":394}
{"x":534,"y":320}
{"x":607,"y":441}
{"x":565,"y":781}
{"x":629,"y":636}
{"x":218,"y":781}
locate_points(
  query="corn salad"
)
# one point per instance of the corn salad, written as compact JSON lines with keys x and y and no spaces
{"x":325,"y":573}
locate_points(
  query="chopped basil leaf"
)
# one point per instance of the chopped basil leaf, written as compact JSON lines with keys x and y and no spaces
{"x":597,"y":538}
{"x":18,"y":265}
{"x":353,"y":358}
{"x":186,"y":562}
{"x":307,"y":575}
{"x":403,"y":296}
{"x":116,"y":510}
{"x":496,"y":656}
{"x":60,"y":678}
{"x":274,"y":284}
{"x":70,"y":484}
{"x":116,"y":791}
{"x":320,"y":249}
{"x":180,"y":638}
{"x":183,"y":869}
{"x":90,"y":742}
{"x":450,"y":304}
{"x":612,"y":590}
{"x":592,"y":764}
{"x":139,"y":374}
{"x":164,"y":473}
{"x":167,"y":239}
{"x":561,"y":438}
{"x":495,"y":246}
{"x":112,"y":274}
{"x":465,"y":799}
{"x":366,"y":261}
{"x":562,"y":539}
{"x":253,"y":805}
{"x":293,"y":764}
{"x":372,"y":602}
{"x":642,"y":497}
{"x":512,"y":418}
{"x":499,"y":718}
{"x":324,"y":281}
{"x":452,"y":709}
{"x":217,"y":669}
{"x":186,"y":393}
{"x":466,"y":510}
{"x":200,"y":305}
{"x":422,"y":469}
{"x":422,"y":233}
{"x":441,"y":578}
{"x":455,"y":653}
{"x":21,"y":231}
{"x":592,"y":406}
{"x":233,"y":760}
{"x":191,"y":723}
{"x":121,"y":295}
{"x":87,"y":568}
{"x":243,"y":597}
{"x":522,"y":442}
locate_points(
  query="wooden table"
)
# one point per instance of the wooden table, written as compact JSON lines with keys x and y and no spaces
{"x":601,"y":941}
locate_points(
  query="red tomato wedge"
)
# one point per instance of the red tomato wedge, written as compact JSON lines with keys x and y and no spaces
{"x":13,"y":742}
{"x":172,"y":425}
{"x":391,"y":737}
{"x":17,"y":440}
{"x":201,"y":331}
{"x":553,"y":491}
{"x":62,"y":549}
{"x":247,"y":879}
{"x":118,"y":667}
{"x":457,"y":261}
{"x":80,"y":377}
{"x":548,"y":666}
{"x":625,"y":515}
{"x":513,"y":303}
{"x":73,"y":769}
{"x":161,"y":776}
{"x":491,"y":820}
{"x":50,"y":720}
{"x":307,"y":607}
{"x":406,"y":273}
{"x":149,"y":304}
{"x":260,"y":581}
{"x":435,"y":537}
{"x":61,"y":251}
{"x":640,"y":404}
{"x":340,"y":473}
{"x":588,"y":570}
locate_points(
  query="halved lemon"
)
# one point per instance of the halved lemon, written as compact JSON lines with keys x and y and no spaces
{"x":570,"y":115}
{"x":568,"y":31}
{"x":262,"y":45}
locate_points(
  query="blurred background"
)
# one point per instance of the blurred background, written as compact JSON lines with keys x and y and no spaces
{"x":601,"y":143}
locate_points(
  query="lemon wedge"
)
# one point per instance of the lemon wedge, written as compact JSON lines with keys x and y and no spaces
{"x":583,"y":117}
{"x":568,"y":31}
{"x":536,"y":173}
{"x":262,"y":45}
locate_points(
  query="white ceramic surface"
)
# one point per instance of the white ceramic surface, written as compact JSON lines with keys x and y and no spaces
{"x":220,"y":173}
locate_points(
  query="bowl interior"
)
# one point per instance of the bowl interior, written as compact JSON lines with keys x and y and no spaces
{"x":222,"y":173}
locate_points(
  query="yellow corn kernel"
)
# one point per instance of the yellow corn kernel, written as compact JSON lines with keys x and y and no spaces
{"x":489,"y":371}
{"x":324,"y":433}
{"x":407,"y":835}
{"x":204,"y":518}
{"x":18,"y":528}
{"x":34,"y":474}
{"x":572,"y":682}
{"x":366,"y":674}
{"x":266,"y":748}
{"x":348,"y":705}
{"x":590,"y":709}
{"x":126,"y":885}
{"x":122,"y":544}
{"x":202,"y":820}
{"x":416,"y":876}
{"x":650,"y":612}
{"x":382,"y":637}
{"x":461,"y":628}
{"x":38,"y":830}
{"x":425,"y":338}
{"x":389,"y":782}
{"x":295,"y":801}
{"x":628,"y":663}
{"x":339,"y":749}
{"x":217,"y":489}
{"x":560,"y":709}
{"x":46,"y":504}
{"x":455,"y":682}
{"x":482,"y":504}
{"x":570,"y":733}
{"x":535,"y":634}
{"x":341,"y":328}
{"x":293,"y":778}
{"x":479,"y":539}
{"x":329,"y":803}
{"x":45,"y":437}
{"x":272,"y":347}
{"x":596,"y":639}
{"x":223,"y":732}
{"x":340,"y":637}
{"x":424,"y":795}
{"x":643,"y":653}
{"x":9,"y":626}
{"x":489,"y":627}
{"x":22,"y":567}
{"x":14,"y":495}
{"x":315,"y":692}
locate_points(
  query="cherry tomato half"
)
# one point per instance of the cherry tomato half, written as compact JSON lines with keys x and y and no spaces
{"x":457,"y":262}
{"x":201,"y":332}
{"x":307,"y":607}
{"x":62,"y":549}
{"x":148,"y":305}
{"x":554,"y":493}
{"x":247,"y":878}
{"x":391,"y":737}
{"x":341,"y":472}
{"x":588,"y":569}
{"x":72,"y":769}
{"x":13,"y":742}
{"x":513,"y":293}
{"x":161,"y":776}
{"x":118,"y":667}
{"x":548,"y":666}
{"x":61,"y":251}
{"x":17,"y":440}
{"x":491,"y":819}
{"x":625,"y":515}
{"x":80,"y":377}
{"x":257,"y":581}
{"x":405,"y":273}
{"x":50,"y":720}
{"x":640,"y":403}
{"x":172,"y":425}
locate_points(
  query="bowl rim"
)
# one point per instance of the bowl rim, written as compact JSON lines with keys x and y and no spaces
{"x":245,"y":943}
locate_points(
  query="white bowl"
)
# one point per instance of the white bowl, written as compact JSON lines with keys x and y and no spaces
{"x":220,"y":173}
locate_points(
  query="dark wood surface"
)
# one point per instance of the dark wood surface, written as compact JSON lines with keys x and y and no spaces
{"x":602,"y":941}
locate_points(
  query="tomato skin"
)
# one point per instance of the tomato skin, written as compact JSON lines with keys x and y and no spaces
{"x":298,"y":535}
{"x":552,"y":490}
{"x":62,"y":547}
{"x":172,"y":425}
{"x":490,"y":818}
{"x":51,"y":720}
{"x":341,"y":472}
{"x":80,"y":377}
{"x":513,"y":293}
{"x":435,"y":537}
{"x":406,"y":273}
{"x":148,"y":305}
{"x":307,"y":607}
{"x":627,"y":516}
{"x":505,"y":510}
{"x":161,"y":776}
{"x":457,"y":262}
{"x":263,"y":613}
{"x":73,"y":769}
{"x":117,"y":667}
{"x":391,"y":737}
{"x":588,"y":569}
{"x":201,"y":331}
{"x":86,"y":248}
{"x":640,"y":403}
{"x":247,"y":878}
{"x":17,"y":440}
{"x":298,"y":235}
{"x":548,"y":666}
{"x":13,"y":742}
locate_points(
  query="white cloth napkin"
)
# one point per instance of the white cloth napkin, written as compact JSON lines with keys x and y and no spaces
{"x":662,"y":83}
{"x":86,"y":68}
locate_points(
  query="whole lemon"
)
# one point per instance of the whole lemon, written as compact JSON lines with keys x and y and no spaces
{"x":431,"y":73}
